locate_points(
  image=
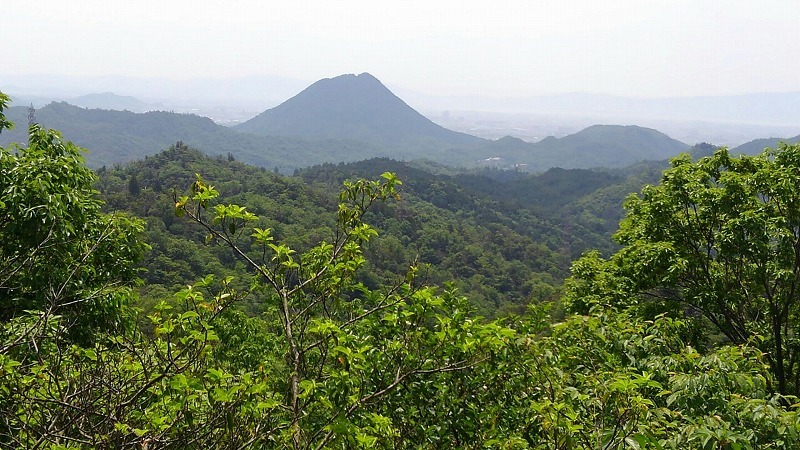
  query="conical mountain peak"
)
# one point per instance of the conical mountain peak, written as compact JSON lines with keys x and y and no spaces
{"x":353,"y":107}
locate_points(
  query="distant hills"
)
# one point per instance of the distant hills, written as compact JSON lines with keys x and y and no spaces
{"x":96,"y":100}
{"x":758,"y":145}
{"x":722,"y":120}
{"x":342,"y":119}
{"x":359,"y":107}
{"x":497,"y":250}
{"x":596,"y":146}
{"x":109,"y":100}
{"x":114,"y":137}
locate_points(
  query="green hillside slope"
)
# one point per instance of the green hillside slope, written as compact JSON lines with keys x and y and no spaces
{"x":757,"y":146}
{"x":500,"y":253}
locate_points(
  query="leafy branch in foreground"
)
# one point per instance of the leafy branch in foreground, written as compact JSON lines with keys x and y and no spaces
{"x":344,"y":347}
{"x":333,"y":364}
{"x":58,"y":252}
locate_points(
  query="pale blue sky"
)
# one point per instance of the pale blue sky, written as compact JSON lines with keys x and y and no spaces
{"x":488,"y":48}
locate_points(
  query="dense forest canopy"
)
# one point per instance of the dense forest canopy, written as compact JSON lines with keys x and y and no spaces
{"x":500,"y":246}
{"x":285,"y":332}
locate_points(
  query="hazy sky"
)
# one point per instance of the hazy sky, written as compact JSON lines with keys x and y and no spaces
{"x":465,"y":47}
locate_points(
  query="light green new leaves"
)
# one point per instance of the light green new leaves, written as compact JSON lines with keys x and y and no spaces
{"x":717,"y":237}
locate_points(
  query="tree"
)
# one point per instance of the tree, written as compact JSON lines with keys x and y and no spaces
{"x":720,"y":239}
{"x":346,"y":347}
{"x":332,"y":363}
{"x":614,"y":380}
{"x":4,"y":101}
{"x":58,"y":253}
{"x":313,"y":373}
{"x":133,"y":185}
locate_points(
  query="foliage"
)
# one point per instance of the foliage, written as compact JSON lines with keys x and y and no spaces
{"x":499,"y":255}
{"x":312,"y":372}
{"x":127,"y":390}
{"x":717,"y":238}
{"x":58,"y":252}
{"x":612,"y":380}
{"x":330,"y":361}
{"x":4,"y":123}
{"x":346,"y":347}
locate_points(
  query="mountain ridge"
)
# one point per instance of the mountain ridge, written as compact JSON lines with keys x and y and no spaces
{"x":758,"y":145}
{"x":113,"y":137}
{"x":342,"y":119}
{"x":609,"y":146}
{"x":111,"y":101}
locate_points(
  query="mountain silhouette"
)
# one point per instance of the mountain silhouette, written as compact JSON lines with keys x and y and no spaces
{"x":343,"y":119}
{"x":356,"y":107}
{"x":109,"y":100}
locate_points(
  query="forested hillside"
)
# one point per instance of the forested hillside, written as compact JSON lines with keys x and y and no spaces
{"x":281,"y":312}
{"x":501,"y":253}
{"x":597,"y":146}
{"x":757,"y":146}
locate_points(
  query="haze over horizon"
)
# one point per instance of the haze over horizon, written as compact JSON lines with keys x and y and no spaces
{"x":232,"y":61}
{"x":446,"y":48}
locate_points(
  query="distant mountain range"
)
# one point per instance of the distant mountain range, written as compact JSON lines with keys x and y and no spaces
{"x":97,"y":100}
{"x":342,"y":119}
{"x":596,"y":146}
{"x":747,"y":116}
{"x":109,"y":100}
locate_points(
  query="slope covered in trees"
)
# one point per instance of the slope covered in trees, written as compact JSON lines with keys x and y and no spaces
{"x":719,"y":238}
{"x":500,"y":254}
{"x":758,"y":145}
{"x":610,"y":146}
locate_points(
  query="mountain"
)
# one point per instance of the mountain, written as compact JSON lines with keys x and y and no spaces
{"x":109,"y":100}
{"x":757,"y":146}
{"x":596,"y":146}
{"x":343,"y":119}
{"x":717,"y":119}
{"x":114,"y":137}
{"x":357,"y":107}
